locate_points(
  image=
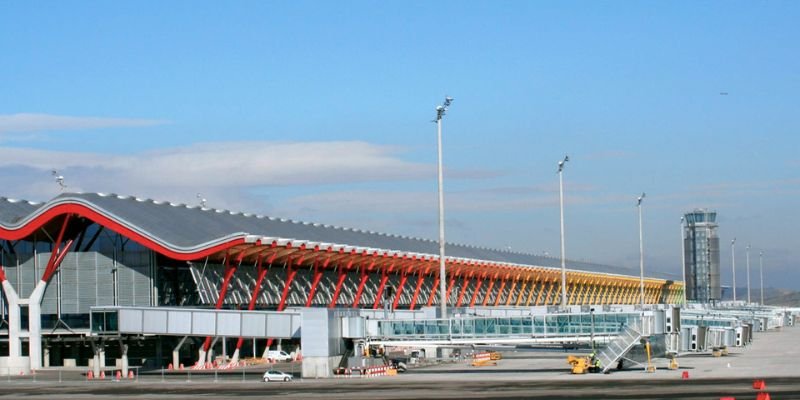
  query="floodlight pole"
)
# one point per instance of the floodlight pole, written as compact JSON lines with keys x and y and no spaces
{"x":683,"y":262}
{"x":563,"y":252}
{"x":761,"y":267}
{"x":748,"y":273}
{"x":440,"y":112}
{"x":733,"y":266}
{"x":641,"y":250}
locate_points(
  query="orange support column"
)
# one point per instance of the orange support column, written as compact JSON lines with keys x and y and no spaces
{"x":463,"y":290}
{"x":500,"y":291}
{"x":530,"y":292}
{"x":477,"y":290}
{"x":511,"y":291}
{"x":522,"y":292}
{"x":489,"y":291}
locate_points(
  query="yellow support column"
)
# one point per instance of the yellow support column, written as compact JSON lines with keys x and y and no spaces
{"x":533,"y":289}
{"x":589,"y":299}
{"x":541,"y":292}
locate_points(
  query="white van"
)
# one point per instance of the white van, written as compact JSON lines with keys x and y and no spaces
{"x":279,"y":355}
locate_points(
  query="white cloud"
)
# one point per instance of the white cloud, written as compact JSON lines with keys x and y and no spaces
{"x":222,"y":170}
{"x":29,"y":122}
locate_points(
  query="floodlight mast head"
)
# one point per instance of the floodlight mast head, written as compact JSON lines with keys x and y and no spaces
{"x":59,"y":179}
{"x":442,"y":109}
{"x":562,"y":162}
{"x":639,"y":199}
{"x":202,"y":200}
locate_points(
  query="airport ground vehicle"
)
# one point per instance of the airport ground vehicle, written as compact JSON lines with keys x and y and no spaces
{"x":279,"y":355}
{"x":274,"y":375}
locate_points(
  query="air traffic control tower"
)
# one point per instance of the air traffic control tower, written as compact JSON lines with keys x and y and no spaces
{"x":701,"y":261}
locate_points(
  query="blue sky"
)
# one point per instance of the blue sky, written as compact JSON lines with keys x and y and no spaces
{"x":321,"y":111}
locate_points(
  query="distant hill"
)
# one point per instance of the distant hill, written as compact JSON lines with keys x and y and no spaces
{"x":772,"y":296}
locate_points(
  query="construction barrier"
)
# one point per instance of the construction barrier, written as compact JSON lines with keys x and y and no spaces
{"x":481,"y":359}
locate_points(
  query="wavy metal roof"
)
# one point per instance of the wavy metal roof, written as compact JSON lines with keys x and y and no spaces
{"x":188,"y":229}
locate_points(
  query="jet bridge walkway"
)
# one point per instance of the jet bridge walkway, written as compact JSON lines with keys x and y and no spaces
{"x":531,"y":329}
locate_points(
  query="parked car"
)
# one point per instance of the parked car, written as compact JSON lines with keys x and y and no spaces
{"x":274,"y":375}
{"x":279,"y":355}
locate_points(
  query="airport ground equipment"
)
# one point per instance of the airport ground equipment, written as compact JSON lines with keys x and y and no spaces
{"x":580,"y":364}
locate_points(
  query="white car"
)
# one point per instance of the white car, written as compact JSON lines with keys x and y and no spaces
{"x":279,"y":376}
{"x":278,"y":355}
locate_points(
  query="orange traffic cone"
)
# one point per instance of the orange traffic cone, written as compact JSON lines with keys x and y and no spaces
{"x":90,"y":375}
{"x":102,"y":375}
{"x":130,"y":374}
{"x":763,"y":396}
{"x":685,"y":375}
{"x":181,"y":367}
{"x":169,"y":367}
{"x":759,"y":384}
{"x":118,"y":375}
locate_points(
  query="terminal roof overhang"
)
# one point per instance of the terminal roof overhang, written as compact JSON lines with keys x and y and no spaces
{"x":187,"y":233}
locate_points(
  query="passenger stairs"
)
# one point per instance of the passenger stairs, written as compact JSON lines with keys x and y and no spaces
{"x":630,"y":336}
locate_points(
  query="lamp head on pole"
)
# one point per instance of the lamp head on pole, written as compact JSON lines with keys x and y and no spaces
{"x":59,"y":179}
{"x":639,"y":199}
{"x":442,"y":109}
{"x":562,"y":162}
{"x":733,"y":241}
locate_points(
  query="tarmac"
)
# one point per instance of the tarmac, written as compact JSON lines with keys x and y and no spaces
{"x":519,"y":375}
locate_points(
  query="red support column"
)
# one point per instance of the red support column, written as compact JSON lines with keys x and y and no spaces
{"x":511,"y":291}
{"x":500,"y":292}
{"x":433,"y":291}
{"x":450,"y":287}
{"x":360,"y":290}
{"x":379,"y":293}
{"x":230,"y":268}
{"x":420,"y":281}
{"x":262,"y":272}
{"x":477,"y":290}
{"x":57,"y":254}
{"x":399,"y":291}
{"x":290,"y":274}
{"x":339,"y":283}
{"x":463,"y":290}
{"x":314,"y":283}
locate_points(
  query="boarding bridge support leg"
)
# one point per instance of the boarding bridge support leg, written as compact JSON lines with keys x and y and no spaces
{"x":176,"y":353}
{"x":124,"y":358}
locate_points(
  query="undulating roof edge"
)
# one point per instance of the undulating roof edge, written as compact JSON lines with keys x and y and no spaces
{"x":190,"y":229}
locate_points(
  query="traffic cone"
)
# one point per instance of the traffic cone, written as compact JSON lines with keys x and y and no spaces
{"x":763,"y":396}
{"x":685,"y":375}
{"x":130,"y":374}
{"x":181,"y":367}
{"x":759,"y":384}
{"x":119,"y":375}
{"x":102,"y":375}
{"x":90,"y":375}
{"x":169,"y":367}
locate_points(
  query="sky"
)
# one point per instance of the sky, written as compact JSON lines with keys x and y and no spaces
{"x":322,"y":111}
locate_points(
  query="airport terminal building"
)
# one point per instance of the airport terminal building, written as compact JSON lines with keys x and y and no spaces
{"x":64,"y":260}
